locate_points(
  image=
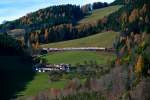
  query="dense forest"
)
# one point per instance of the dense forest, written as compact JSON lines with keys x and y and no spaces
{"x":7,"y":43}
{"x":133,"y":20}
{"x":133,"y":45}
{"x":47,"y":17}
{"x":134,"y":16}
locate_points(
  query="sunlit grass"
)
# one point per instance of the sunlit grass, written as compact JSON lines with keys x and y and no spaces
{"x":78,"y":57}
{"x":104,"y":39}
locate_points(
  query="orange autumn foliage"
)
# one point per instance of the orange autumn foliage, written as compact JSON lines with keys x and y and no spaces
{"x":134,"y":15}
{"x":139,"y":64}
{"x":118,"y":61}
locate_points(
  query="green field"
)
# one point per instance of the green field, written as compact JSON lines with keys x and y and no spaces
{"x":99,"y":40}
{"x":78,"y":57}
{"x":99,"y":14}
{"x":40,"y":83}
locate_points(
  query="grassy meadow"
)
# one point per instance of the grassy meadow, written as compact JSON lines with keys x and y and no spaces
{"x":40,"y":83}
{"x":78,"y":57}
{"x":99,"y":14}
{"x":104,"y":39}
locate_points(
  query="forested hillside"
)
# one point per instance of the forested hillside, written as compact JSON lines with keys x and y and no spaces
{"x":133,"y":45}
{"x":53,"y":24}
{"x":134,"y":16}
{"x":133,"y":20}
{"x":47,"y":17}
{"x":69,"y":31}
{"x":51,"y":16}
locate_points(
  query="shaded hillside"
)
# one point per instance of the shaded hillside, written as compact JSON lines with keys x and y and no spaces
{"x":14,"y":66}
{"x":7,"y":43}
{"x":13,"y":73}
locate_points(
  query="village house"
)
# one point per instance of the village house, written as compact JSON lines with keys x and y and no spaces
{"x":51,"y":67}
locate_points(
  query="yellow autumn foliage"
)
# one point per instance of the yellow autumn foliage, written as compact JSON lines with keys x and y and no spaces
{"x":142,"y":44}
{"x":46,"y":34}
{"x":139,"y":64}
{"x":37,"y":45}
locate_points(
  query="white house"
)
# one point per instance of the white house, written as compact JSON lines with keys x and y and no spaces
{"x":51,"y":67}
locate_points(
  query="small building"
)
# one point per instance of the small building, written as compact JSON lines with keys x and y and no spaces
{"x":51,"y":67}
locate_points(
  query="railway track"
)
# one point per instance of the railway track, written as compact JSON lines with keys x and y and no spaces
{"x":79,"y":49}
